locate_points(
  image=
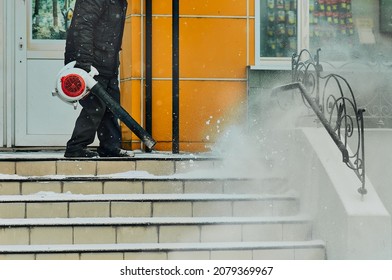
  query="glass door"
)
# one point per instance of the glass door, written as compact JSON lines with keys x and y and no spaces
{"x":40,"y":30}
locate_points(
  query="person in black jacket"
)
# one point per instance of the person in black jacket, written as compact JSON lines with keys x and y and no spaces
{"x":94,"y":39}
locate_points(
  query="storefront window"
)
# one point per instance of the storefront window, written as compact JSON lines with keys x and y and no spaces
{"x":278,"y":35}
{"x":326,"y":24}
{"x":331,"y":26}
{"x":343,"y":29}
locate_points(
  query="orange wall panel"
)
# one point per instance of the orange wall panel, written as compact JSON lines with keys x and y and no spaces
{"x":131,"y":48}
{"x":209,"y":48}
{"x":214,"y":7}
{"x":203,"y":7}
{"x":136,"y":41}
{"x":162,"y":110}
{"x":213,"y":48}
{"x":126,"y":51}
{"x":131,"y":102}
{"x":130,"y":97}
{"x":162,"y":47}
{"x":206,"y":108}
{"x":135,"y":7}
{"x":252,"y":8}
{"x":252,"y":42}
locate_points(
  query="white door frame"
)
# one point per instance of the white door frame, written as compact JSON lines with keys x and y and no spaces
{"x":7,"y":81}
{"x":20,"y":44}
{"x":2,"y":73}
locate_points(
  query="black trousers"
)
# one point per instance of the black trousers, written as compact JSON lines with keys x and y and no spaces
{"x":96,"y":119}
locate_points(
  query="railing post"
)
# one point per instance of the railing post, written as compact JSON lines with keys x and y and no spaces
{"x":362,"y":190}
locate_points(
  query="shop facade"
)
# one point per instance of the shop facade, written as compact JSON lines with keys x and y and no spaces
{"x":229,"y":50}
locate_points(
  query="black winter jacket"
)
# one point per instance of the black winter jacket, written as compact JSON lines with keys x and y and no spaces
{"x":95,"y":35}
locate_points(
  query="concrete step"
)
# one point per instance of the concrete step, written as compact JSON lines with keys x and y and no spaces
{"x":24,"y":173}
{"x":297,"y":250}
{"x":43,"y":164}
{"x":52,"y":205}
{"x":136,"y":183}
{"x":153,"y":230}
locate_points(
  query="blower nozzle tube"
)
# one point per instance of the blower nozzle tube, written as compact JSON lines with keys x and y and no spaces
{"x":99,"y":91}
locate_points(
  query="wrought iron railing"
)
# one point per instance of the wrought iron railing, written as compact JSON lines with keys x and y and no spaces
{"x":376,"y":69}
{"x":332,"y":100}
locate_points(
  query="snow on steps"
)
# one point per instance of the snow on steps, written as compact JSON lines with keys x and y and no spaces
{"x":190,"y":214}
{"x":293,"y":250}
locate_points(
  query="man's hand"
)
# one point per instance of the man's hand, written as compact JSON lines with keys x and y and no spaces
{"x":85,"y":66}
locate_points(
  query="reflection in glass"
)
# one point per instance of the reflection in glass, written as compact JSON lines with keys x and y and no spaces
{"x":51,"y":18}
{"x":278,"y":28}
{"x":331,"y":27}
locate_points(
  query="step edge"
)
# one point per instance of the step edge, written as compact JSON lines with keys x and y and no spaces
{"x":145,"y":247}
{"x":58,"y":155}
{"x":118,"y":221}
{"x":114,"y":177}
{"x":65,"y":197}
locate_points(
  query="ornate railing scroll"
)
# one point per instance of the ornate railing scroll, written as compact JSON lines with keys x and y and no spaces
{"x":332,"y":99}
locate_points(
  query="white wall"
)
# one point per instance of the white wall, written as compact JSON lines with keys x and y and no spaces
{"x":351,"y":227}
{"x":378,"y":150}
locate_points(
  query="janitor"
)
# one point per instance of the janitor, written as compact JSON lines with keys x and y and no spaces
{"x":94,"y":39}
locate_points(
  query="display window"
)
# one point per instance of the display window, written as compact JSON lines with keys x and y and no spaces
{"x":278,"y":28}
{"x":286,"y":26}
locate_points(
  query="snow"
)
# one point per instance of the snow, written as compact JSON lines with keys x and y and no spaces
{"x":230,"y":169}
{"x":59,"y":155}
{"x":58,"y":197}
{"x":161,"y":246}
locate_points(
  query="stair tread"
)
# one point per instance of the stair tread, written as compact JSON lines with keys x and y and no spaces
{"x":58,"y":154}
{"x":138,"y":176}
{"x":162,"y":246}
{"x":59,"y":197}
{"x":151,"y":221}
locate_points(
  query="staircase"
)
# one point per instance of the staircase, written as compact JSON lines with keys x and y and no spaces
{"x":152,"y":206}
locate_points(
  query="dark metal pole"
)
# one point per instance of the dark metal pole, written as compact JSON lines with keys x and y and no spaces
{"x":175,"y":76}
{"x":149,"y":66}
{"x":362,"y":190}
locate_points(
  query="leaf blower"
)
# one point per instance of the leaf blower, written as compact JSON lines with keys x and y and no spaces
{"x":73,"y":84}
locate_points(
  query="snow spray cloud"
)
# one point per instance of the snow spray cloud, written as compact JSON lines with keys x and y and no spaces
{"x":258,"y":147}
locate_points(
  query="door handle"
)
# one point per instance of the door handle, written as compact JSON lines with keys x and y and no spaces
{"x":21,"y":43}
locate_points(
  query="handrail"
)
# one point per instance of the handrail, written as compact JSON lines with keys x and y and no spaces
{"x":320,"y":115}
{"x":337,"y":111}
